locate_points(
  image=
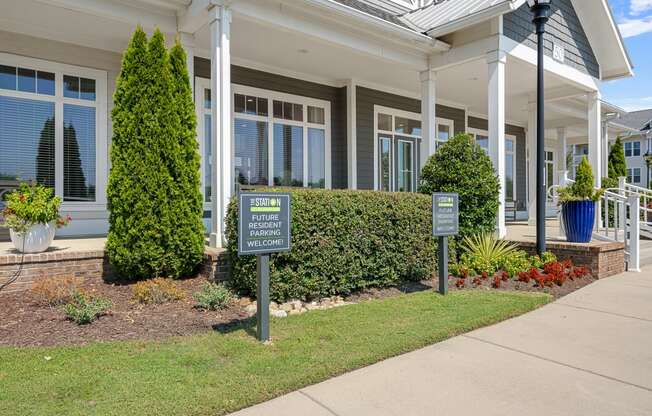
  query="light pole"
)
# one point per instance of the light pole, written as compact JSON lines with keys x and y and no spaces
{"x":541,"y":11}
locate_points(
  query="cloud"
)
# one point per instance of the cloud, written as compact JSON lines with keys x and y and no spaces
{"x":635,"y":27}
{"x":640,"y":6}
{"x":633,"y":104}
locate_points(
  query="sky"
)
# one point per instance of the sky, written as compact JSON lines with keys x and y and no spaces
{"x":634,"y":17}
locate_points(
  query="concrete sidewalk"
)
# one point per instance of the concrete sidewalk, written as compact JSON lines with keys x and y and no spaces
{"x":589,"y":353}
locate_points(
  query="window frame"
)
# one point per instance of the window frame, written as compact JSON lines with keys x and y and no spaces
{"x":202,"y":84}
{"x":632,"y":148}
{"x":395,"y":137}
{"x":511,"y":138}
{"x":101,"y":121}
{"x":631,"y":175}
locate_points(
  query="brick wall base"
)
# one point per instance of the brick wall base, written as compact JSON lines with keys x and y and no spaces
{"x":85,"y":264}
{"x":603,"y":259}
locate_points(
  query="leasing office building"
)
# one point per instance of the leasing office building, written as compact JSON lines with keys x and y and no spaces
{"x":313,"y":93}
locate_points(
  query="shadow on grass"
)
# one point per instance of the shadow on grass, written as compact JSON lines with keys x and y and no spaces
{"x":246,"y":324}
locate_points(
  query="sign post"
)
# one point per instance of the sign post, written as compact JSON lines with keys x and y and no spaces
{"x":263,"y":228}
{"x":445,"y":222}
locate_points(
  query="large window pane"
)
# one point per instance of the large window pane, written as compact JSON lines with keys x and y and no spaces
{"x":27,"y":140}
{"x":208,"y":157}
{"x":250,"y":152}
{"x":78,"y":153}
{"x":385,"y":165}
{"x":509,"y":176}
{"x":482,"y":140}
{"x":316,"y":158}
{"x":405,"y":166}
{"x":288,"y":155}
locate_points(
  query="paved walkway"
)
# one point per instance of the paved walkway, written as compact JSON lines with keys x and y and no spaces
{"x":590,"y":353}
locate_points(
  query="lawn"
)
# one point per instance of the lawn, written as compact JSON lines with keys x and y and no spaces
{"x":226,"y":370}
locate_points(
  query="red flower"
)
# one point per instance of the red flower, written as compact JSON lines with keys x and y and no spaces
{"x":477,"y":281}
{"x":460,"y":283}
{"x":496,"y":282}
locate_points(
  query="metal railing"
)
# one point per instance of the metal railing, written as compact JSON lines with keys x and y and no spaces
{"x":618,"y":216}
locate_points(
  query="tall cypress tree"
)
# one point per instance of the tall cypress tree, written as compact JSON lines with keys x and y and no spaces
{"x":146,"y":198}
{"x":617,"y":164}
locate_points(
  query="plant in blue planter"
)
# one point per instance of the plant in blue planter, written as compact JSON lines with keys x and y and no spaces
{"x":578,"y":204}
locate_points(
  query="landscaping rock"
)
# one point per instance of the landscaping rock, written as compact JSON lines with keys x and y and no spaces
{"x":296,"y":304}
{"x":277,"y":313}
{"x":244,"y":301}
{"x":295,"y":312}
{"x":287,"y":307}
{"x":273,"y":305}
{"x":251,"y":308}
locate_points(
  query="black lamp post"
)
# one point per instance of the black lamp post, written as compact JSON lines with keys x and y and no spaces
{"x":541,"y":11}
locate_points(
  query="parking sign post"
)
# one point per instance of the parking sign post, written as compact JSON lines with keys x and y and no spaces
{"x":445,"y":223}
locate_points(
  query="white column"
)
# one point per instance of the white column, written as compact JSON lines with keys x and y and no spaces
{"x":222,"y":183}
{"x":561,"y":149}
{"x":188,"y":43}
{"x":595,"y":144}
{"x":496,"y":113}
{"x":351,"y":134}
{"x":428,"y":116}
{"x":605,"y":148}
{"x":532,"y":165}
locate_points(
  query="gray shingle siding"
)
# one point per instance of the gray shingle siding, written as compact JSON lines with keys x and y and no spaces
{"x":366,"y":98}
{"x":563,"y":28}
{"x":336,"y":96}
{"x":521,"y":162}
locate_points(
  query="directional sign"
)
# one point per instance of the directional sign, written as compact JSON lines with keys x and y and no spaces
{"x":445,"y":214}
{"x":264,"y":223}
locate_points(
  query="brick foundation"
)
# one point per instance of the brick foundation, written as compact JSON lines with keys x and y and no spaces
{"x":603,"y":259}
{"x":85,"y":264}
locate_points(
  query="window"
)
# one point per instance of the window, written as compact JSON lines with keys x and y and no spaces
{"x":481,"y":137}
{"x":444,"y":131}
{"x":52,"y":128}
{"x":634,"y":175}
{"x":278,"y":139}
{"x":397,"y":137}
{"x":510,"y":168}
{"x":632,"y":149}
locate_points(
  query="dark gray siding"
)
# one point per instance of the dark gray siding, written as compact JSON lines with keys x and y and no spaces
{"x":563,"y":28}
{"x":365,"y":100}
{"x":521,"y":162}
{"x":336,"y":96}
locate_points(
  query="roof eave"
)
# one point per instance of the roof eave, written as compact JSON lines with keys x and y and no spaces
{"x":472,"y":19}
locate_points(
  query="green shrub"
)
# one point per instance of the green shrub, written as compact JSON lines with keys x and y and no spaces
{"x":153,"y":191}
{"x":617,"y":165}
{"x":547,"y":257}
{"x":583,"y":188}
{"x":485,"y":253}
{"x":84,"y":309}
{"x":213,"y":296}
{"x":343,"y":241}
{"x":29,"y":205}
{"x":158,"y":291}
{"x":462,"y":166}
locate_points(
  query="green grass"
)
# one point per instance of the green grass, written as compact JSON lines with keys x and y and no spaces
{"x":216,"y":373}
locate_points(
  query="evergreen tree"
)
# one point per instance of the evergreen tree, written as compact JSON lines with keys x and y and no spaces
{"x":146,"y":196}
{"x":617,"y":165}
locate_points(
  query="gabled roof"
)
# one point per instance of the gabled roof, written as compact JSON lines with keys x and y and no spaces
{"x":376,"y":12}
{"x":639,"y":120}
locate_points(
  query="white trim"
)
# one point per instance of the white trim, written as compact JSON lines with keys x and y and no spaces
{"x":352,"y":134}
{"x":270,"y":119}
{"x":100,"y":105}
{"x":444,"y":122}
{"x":394,"y":112}
{"x":512,"y":139}
{"x":202,"y":84}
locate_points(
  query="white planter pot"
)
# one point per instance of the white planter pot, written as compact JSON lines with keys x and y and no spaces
{"x":35,"y":240}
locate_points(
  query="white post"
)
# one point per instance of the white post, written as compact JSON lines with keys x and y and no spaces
{"x":563,"y":181}
{"x":532,"y":165}
{"x":222,"y":183}
{"x":634,"y":233}
{"x":496,"y":61}
{"x":622,"y":182}
{"x":188,"y":43}
{"x":605,"y":147}
{"x":595,"y":142}
{"x":428,"y":116}
{"x":352,"y":134}
{"x":561,"y":149}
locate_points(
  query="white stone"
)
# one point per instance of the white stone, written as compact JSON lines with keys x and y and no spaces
{"x":277,"y":313}
{"x":273,"y":305}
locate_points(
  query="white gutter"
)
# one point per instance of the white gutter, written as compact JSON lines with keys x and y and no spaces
{"x":434,"y":45}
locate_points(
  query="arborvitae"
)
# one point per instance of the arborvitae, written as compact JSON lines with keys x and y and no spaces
{"x":617,"y":164}
{"x":583,"y":185}
{"x":144,"y":193}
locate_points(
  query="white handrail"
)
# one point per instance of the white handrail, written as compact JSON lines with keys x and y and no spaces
{"x":623,"y":227}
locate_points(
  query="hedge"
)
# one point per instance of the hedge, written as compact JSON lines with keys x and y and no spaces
{"x":343,"y":241}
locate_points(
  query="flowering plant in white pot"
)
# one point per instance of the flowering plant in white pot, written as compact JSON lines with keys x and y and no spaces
{"x":32,"y":216}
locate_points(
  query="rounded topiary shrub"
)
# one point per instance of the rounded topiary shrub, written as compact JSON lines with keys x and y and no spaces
{"x":343,"y":241}
{"x":462,"y":166}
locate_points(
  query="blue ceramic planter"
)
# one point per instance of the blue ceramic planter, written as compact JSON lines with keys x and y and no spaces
{"x":578,"y":218}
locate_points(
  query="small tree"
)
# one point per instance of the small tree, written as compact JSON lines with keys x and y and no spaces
{"x":583,"y":188}
{"x":462,"y":166}
{"x":151,"y":193}
{"x":617,"y":165}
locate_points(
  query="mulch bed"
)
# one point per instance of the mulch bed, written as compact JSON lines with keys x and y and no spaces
{"x":25,"y":323}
